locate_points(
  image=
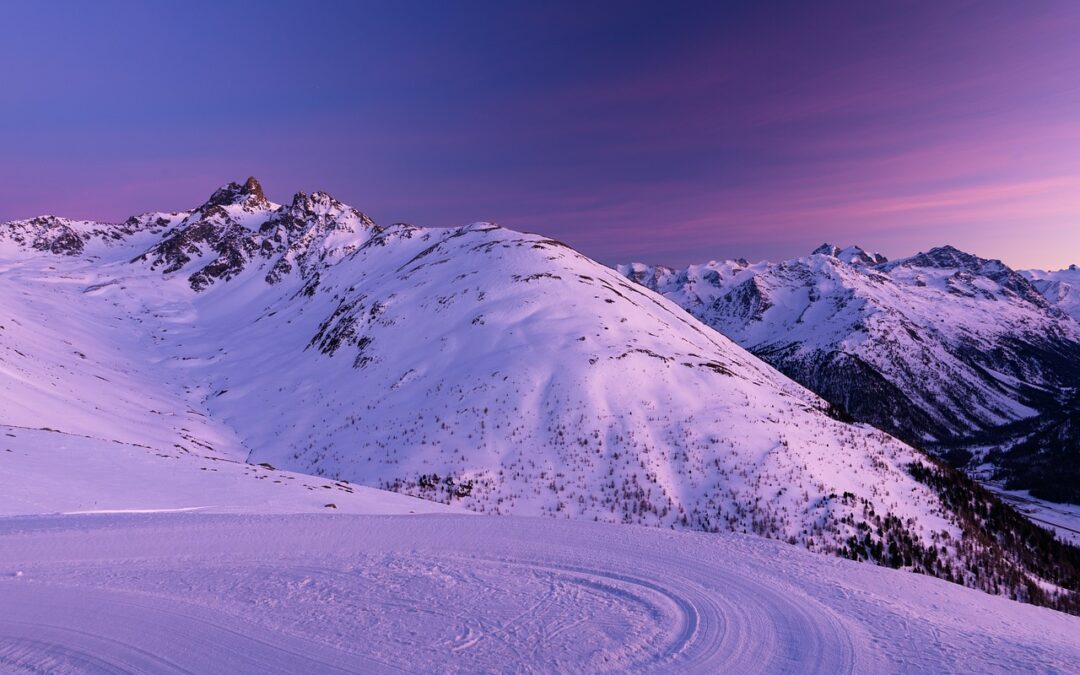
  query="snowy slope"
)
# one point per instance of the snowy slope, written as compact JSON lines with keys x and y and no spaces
{"x":1061,"y":287}
{"x":492,"y":369}
{"x":285,"y":594}
{"x":944,"y":349}
{"x":48,"y":472}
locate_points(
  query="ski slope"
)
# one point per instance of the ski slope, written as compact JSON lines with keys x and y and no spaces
{"x":55,"y":472}
{"x":230,"y":593}
{"x":122,"y":557}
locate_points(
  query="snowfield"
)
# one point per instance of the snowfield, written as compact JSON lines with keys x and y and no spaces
{"x":1062,"y":519}
{"x":52,"y":472}
{"x":117,"y":557}
{"x":194,"y":592}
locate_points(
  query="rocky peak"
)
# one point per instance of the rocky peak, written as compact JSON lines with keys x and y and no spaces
{"x":852,"y":255}
{"x":967,"y":265}
{"x":249,"y":195}
{"x":826,"y":249}
{"x":320,"y":211}
{"x":949,"y":257}
{"x":46,"y":233}
{"x":252,"y":187}
{"x":315,"y":203}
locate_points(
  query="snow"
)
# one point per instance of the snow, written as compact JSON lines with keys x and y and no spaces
{"x":159,"y":401}
{"x":183,"y":592}
{"x":1061,"y":287}
{"x":1062,"y":518}
{"x":54,"y":472}
{"x":177,"y":562}
{"x":943,"y":349}
{"x":910,"y":319}
{"x":479,"y":354}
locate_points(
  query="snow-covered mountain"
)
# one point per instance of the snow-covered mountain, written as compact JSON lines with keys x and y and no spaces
{"x":1061,"y":287}
{"x":493,"y":369}
{"x":955,"y":353}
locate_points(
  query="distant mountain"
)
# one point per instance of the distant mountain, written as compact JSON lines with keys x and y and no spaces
{"x":951,"y":352}
{"x":477,"y":365}
{"x":1061,"y":288}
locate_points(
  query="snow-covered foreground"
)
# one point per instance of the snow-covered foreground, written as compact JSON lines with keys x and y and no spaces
{"x":52,"y":472}
{"x":169,"y":592}
{"x":191,"y":562}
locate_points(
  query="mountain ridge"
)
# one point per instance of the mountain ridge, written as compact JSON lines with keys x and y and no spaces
{"x":477,"y":365}
{"x":942,"y":348}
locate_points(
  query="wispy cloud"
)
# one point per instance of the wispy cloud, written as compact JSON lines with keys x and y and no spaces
{"x":671,"y":134}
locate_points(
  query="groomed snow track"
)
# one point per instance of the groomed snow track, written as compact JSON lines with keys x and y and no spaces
{"x":189,"y":592}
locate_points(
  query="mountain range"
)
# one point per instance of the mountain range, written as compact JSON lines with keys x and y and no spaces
{"x":1060,"y":287}
{"x":956,"y":354}
{"x":507,"y":373}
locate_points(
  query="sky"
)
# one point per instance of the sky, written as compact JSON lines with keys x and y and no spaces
{"x":662,"y":132}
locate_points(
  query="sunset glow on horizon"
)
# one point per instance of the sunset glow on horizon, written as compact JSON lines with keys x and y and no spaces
{"x":631,"y":131}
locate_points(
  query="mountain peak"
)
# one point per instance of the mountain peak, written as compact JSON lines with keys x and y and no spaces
{"x":826,"y":249}
{"x":852,"y":255}
{"x":254,"y":188}
{"x":949,"y":249}
{"x":249,"y":195}
{"x":320,"y":210}
{"x":949,"y":257}
{"x":305,"y":201}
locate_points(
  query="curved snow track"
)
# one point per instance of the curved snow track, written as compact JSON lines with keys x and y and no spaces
{"x":184,"y":592}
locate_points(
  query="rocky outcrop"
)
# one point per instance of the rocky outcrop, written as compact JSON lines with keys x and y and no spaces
{"x":238,"y":229}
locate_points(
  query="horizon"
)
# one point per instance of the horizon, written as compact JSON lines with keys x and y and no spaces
{"x":486,"y":336}
{"x":707,"y":260}
{"x":629,"y":131}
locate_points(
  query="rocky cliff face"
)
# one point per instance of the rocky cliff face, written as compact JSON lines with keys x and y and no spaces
{"x":238,"y":226}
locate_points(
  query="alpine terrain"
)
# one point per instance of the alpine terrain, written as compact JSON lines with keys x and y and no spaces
{"x":956,"y":354}
{"x":1061,"y":287}
{"x":506,"y":373}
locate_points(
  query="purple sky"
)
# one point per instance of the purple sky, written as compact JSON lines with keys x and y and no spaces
{"x":661,"y":132}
